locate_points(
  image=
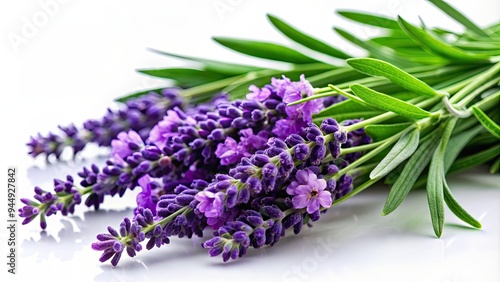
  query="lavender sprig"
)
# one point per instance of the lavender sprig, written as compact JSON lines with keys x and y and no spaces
{"x":139,"y":114}
{"x":246,"y":205}
{"x":183,"y":144}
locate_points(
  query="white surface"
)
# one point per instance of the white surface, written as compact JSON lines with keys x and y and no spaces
{"x":82,"y":54}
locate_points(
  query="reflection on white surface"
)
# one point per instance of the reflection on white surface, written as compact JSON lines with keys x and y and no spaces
{"x":352,"y":242}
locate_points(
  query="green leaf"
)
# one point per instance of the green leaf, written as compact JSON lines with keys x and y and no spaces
{"x":137,"y":94}
{"x":239,"y":87}
{"x":217,"y":66}
{"x":388,"y":103}
{"x":487,"y":122}
{"x":455,"y":207}
{"x":306,"y":40}
{"x":476,"y":159}
{"x":351,"y":115}
{"x":456,"y":144}
{"x":380,"y":132}
{"x":436,"y":179}
{"x":370,"y":19}
{"x":376,"y":50}
{"x":265,"y":50}
{"x":402,"y":150}
{"x":376,"y":67}
{"x":395,"y":43}
{"x":459,"y":17}
{"x":495,"y":166}
{"x":346,"y":106}
{"x":186,"y":77}
{"x":434,"y":45}
{"x":411,"y":171}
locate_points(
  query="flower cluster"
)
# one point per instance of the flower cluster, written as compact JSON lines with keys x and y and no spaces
{"x":248,"y":169}
{"x":139,"y":114}
{"x":195,"y":144}
{"x":281,"y":187}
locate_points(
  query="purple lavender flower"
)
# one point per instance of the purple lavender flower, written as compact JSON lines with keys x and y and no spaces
{"x":125,"y":145}
{"x":148,"y":197}
{"x":113,"y":243}
{"x":227,"y":152}
{"x":231,"y":152}
{"x":168,"y":126}
{"x":175,"y":217}
{"x":258,"y":94}
{"x":210,"y":204}
{"x":298,"y":115}
{"x":63,"y":200}
{"x":186,"y":146}
{"x":139,"y":114}
{"x":309,"y":191}
{"x":254,"y":204}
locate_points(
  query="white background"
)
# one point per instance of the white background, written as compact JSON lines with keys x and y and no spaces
{"x":65,"y":62}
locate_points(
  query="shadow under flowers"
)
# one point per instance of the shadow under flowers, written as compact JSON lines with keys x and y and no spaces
{"x":76,"y":233}
{"x":43,"y":173}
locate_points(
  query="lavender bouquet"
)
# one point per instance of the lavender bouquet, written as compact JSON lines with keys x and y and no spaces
{"x":253,"y":154}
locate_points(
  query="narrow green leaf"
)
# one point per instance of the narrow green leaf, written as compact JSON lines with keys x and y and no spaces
{"x":346,"y":106}
{"x":352,"y":115}
{"x":455,"y":207}
{"x":379,"y":132}
{"x":402,"y":150}
{"x":456,"y":144}
{"x":459,"y":17}
{"x":495,"y":166}
{"x":376,"y":50}
{"x":370,"y":19}
{"x":434,"y":45}
{"x":138,"y":94}
{"x":265,"y":50}
{"x":239,"y":87}
{"x":217,"y":66}
{"x":487,"y":122}
{"x":376,"y":67}
{"x":388,"y":103}
{"x":435,"y":196}
{"x":186,"y":77}
{"x":476,"y":159}
{"x":436,"y":179}
{"x":411,"y":171}
{"x":395,"y":43}
{"x":306,"y":40}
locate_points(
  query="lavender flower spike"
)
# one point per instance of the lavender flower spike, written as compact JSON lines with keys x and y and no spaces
{"x":139,"y":114}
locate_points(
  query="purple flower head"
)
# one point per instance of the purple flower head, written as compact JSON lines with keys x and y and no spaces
{"x":231,"y":152}
{"x":309,"y":191}
{"x":211,"y":204}
{"x":294,"y":91}
{"x":167,"y":128}
{"x":250,"y":142}
{"x":285,"y":127}
{"x":228,"y":152}
{"x":258,"y":94}
{"x":125,"y":145}
{"x":144,"y":199}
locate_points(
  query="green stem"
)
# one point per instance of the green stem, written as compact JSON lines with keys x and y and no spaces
{"x":477,"y":82}
{"x":477,"y":92}
{"x":211,"y":87}
{"x":354,"y":192}
{"x":389,"y":115}
{"x":489,"y":102}
{"x":384,"y":144}
{"x":361,"y":148}
{"x":165,"y":220}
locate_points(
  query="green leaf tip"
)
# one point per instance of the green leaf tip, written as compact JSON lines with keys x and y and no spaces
{"x":388,"y":103}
